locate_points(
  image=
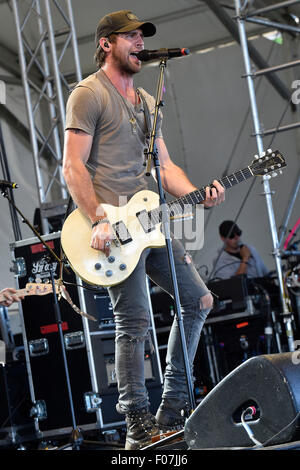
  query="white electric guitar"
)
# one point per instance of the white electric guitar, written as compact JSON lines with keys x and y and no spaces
{"x":137,"y":226}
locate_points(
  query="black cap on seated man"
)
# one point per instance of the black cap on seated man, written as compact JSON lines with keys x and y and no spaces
{"x":229,"y":229}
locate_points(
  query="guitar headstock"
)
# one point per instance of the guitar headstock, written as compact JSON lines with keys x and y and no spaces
{"x":35,"y":288}
{"x":268,"y":163}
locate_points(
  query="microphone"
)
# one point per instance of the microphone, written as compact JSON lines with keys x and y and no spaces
{"x":146,"y":55}
{"x":8,"y":184}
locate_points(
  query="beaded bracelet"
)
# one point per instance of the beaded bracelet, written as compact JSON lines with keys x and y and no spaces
{"x":100,"y":221}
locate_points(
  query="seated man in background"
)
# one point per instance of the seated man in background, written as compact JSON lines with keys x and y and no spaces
{"x":234,"y":257}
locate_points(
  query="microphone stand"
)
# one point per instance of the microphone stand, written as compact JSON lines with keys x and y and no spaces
{"x":153,"y":154}
{"x":76,"y":438}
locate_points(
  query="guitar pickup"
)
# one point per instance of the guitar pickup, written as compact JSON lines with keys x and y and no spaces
{"x":122,"y":232}
{"x":145,"y":221}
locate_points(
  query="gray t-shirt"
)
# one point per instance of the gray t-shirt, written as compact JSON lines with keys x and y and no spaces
{"x":226,"y":265}
{"x":116,"y":161}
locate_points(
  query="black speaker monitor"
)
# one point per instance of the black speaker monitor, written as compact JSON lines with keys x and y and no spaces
{"x":270,"y":384}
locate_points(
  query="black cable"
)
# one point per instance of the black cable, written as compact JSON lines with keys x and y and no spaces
{"x":280,"y":120}
{"x":234,"y":147}
{"x":74,"y":284}
{"x":233,"y":151}
{"x":6,"y":175}
{"x":264,"y":444}
{"x":235,"y":220}
{"x":228,"y":264}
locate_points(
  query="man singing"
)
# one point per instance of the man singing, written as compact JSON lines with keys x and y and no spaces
{"x":105,"y":138}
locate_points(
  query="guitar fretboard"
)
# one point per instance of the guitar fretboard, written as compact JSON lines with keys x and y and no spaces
{"x":178,"y":206}
{"x":19,"y":293}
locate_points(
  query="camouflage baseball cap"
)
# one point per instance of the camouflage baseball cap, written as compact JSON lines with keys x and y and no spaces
{"x":121,"y":22}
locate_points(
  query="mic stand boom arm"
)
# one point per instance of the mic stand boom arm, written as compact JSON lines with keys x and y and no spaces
{"x":153,"y":154}
{"x":4,"y":193}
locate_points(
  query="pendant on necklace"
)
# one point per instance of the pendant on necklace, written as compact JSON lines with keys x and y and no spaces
{"x":133,"y":124}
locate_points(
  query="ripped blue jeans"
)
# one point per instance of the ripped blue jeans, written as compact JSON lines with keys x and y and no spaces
{"x":131,"y":310}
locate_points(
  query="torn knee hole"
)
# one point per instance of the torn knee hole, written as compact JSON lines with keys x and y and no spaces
{"x":206,"y":302}
{"x":187,"y":259}
{"x":134,"y":338}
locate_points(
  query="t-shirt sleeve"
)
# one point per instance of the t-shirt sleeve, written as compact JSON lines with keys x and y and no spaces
{"x":82,"y":110}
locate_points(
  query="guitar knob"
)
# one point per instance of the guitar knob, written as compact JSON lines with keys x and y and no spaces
{"x":109,"y":273}
{"x":111,"y":259}
{"x":98,"y":266}
{"x":122,"y":267}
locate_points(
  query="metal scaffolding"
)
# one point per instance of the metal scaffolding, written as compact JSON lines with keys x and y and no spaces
{"x":42,"y":48}
{"x":259,"y":134}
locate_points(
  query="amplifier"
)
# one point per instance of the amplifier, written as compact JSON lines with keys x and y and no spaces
{"x":230,"y":295}
{"x":101,"y":341}
{"x":42,"y":346}
{"x":103,"y":346}
{"x":98,"y":304}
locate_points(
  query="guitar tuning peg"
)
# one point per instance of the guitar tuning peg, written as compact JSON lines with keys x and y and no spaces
{"x":256,"y":157}
{"x":269,"y":151}
{"x":274,"y":174}
{"x":262,"y":154}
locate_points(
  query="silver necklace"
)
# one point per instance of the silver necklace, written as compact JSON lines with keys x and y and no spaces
{"x":131,"y":115}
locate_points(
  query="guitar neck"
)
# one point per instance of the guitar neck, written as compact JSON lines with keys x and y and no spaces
{"x":19,"y":293}
{"x":33,"y":289}
{"x":196,"y":197}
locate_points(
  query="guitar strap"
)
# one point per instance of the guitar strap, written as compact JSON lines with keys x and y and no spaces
{"x":147,"y":113}
{"x":63,"y":291}
{"x":148,"y":123}
{"x":70,"y":207}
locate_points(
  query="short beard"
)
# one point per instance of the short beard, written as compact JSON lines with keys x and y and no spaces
{"x":124,"y":67}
